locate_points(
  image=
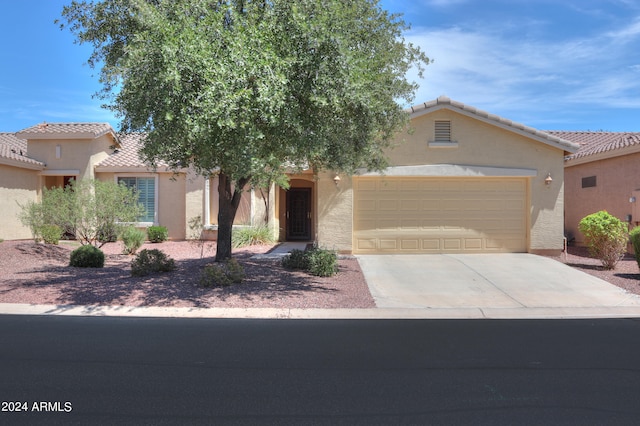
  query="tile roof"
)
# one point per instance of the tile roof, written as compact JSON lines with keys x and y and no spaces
{"x":546,"y":137}
{"x":592,"y":143}
{"x":14,"y":150}
{"x":127,"y":155}
{"x":76,"y":130}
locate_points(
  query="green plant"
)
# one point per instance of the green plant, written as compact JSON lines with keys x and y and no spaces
{"x":606,"y":237}
{"x":634,"y":235}
{"x":252,"y":235}
{"x":107,"y":233}
{"x":87,"y":257}
{"x":133,"y":238}
{"x":322,"y":262}
{"x":196,"y":233}
{"x":231,"y":272}
{"x":151,"y":261}
{"x":316,"y":261}
{"x":51,"y":234}
{"x":296,"y":259}
{"x":157,"y":234}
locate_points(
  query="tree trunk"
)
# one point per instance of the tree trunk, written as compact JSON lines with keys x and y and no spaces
{"x":228,"y":202}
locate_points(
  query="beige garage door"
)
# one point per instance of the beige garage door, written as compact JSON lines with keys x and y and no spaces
{"x":439,"y":215}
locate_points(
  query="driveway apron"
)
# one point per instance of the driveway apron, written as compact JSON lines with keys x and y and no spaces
{"x":506,"y":280}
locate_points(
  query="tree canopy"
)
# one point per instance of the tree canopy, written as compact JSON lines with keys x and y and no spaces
{"x":240,"y":87}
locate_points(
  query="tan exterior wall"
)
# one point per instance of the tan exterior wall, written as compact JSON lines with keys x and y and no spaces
{"x":617,"y":180}
{"x":335,"y":212}
{"x":478,"y":144}
{"x":78,"y":154}
{"x":17,"y":185}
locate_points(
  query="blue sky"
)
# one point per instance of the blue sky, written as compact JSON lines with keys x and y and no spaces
{"x":550,"y":64}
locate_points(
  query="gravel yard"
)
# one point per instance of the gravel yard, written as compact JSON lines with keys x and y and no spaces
{"x":39,"y":274}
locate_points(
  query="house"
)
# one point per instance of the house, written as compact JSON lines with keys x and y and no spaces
{"x":604,"y":174}
{"x":463,"y":181}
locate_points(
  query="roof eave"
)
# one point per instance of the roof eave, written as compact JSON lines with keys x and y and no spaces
{"x":445,"y":103}
{"x":605,"y":155}
{"x":21,"y":164}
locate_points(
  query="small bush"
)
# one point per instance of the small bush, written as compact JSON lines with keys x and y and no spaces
{"x":87,"y":257}
{"x":322,"y":262}
{"x":606,"y":237}
{"x":296,"y":259}
{"x":133,"y":239}
{"x":157,"y":234}
{"x":222,"y":275}
{"x":635,"y":240}
{"x":51,"y":234}
{"x":107,"y":233}
{"x":316,"y":261}
{"x":251,"y":236}
{"x":151,"y":261}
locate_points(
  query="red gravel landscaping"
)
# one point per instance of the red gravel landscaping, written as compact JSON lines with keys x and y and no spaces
{"x":39,"y":274}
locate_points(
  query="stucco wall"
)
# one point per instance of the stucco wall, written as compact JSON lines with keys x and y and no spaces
{"x":75,"y":154}
{"x":17,"y":185}
{"x":478,"y":144}
{"x":616,"y":180}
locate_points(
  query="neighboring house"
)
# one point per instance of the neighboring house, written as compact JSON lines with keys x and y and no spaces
{"x":463,"y":181}
{"x":603,"y":175}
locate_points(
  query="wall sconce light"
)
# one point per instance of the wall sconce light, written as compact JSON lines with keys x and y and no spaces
{"x":548,"y":179}
{"x":336,"y":180}
{"x":632,"y":199}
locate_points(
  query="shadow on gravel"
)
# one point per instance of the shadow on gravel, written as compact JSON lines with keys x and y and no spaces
{"x":266,"y":283}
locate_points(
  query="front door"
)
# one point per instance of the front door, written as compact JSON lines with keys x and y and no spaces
{"x":299,"y":214}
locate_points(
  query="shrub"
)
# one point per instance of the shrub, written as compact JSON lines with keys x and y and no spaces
{"x":133,"y":239}
{"x":251,"y":236}
{"x":157,"y":234}
{"x":316,"y":261}
{"x":322,"y":262}
{"x":635,"y":240}
{"x":107,"y":233}
{"x":296,"y":259}
{"x":50,"y":234}
{"x":606,"y":237}
{"x":222,"y":275}
{"x":87,"y":257}
{"x":151,"y":261}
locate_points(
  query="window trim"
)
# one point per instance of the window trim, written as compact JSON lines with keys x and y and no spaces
{"x":155,"y":222}
{"x":207,"y":206}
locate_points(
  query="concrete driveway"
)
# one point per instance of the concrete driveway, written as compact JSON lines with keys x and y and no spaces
{"x":507,"y":282}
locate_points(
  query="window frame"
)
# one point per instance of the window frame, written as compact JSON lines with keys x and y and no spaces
{"x":155,"y":222}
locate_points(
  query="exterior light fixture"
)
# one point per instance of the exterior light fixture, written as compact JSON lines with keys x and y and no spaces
{"x":632,"y":199}
{"x":548,"y":179}
{"x":336,"y":180}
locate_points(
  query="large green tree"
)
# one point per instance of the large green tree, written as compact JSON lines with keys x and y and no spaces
{"x":240,"y":87}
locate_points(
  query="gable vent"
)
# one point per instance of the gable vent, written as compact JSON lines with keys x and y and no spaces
{"x":443,"y":131}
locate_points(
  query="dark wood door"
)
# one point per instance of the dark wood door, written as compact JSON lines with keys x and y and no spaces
{"x":299,"y":214}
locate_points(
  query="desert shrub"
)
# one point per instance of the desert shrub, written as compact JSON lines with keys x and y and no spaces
{"x":51,"y":234}
{"x":107,"y":233}
{"x":151,"y":261}
{"x":316,"y":261}
{"x":87,"y":257}
{"x":157,"y":234}
{"x":222,"y":275}
{"x":606,"y":237}
{"x":322,"y":262}
{"x":635,"y":240}
{"x":296,"y":259}
{"x":252,"y":235}
{"x":133,"y":239}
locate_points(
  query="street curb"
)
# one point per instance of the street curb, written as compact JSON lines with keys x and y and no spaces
{"x":355,"y":314}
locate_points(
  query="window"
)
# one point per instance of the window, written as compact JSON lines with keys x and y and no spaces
{"x":244,"y":212}
{"x":146,"y":190}
{"x":443,"y":131}
{"x":589,"y":182}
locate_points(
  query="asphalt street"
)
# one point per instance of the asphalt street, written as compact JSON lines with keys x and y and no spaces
{"x":97,"y":370}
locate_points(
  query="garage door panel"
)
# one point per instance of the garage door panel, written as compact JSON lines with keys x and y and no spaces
{"x":434,"y":215}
